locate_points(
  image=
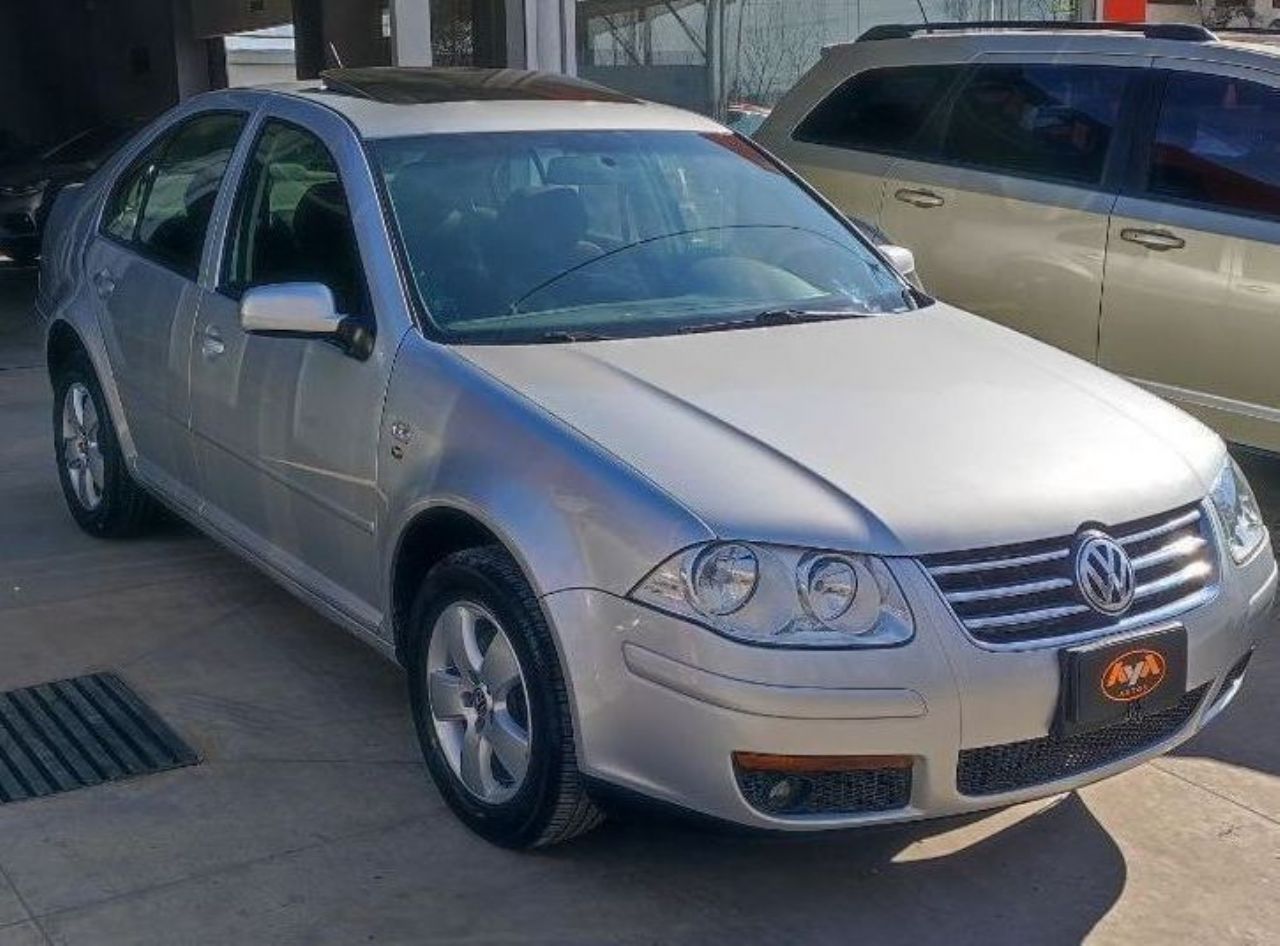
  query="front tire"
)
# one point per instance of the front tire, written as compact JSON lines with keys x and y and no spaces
{"x":101,"y":495}
{"x":490,"y":704}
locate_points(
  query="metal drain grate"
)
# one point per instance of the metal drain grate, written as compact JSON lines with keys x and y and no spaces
{"x":74,"y":733}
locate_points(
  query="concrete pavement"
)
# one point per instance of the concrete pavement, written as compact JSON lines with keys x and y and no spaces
{"x":312,"y":820}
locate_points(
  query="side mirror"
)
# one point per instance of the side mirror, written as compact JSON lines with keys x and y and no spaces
{"x":303,"y":310}
{"x":901,"y":258}
{"x":291,"y":308}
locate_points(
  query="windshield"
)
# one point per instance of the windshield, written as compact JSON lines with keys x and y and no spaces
{"x":526,"y":236}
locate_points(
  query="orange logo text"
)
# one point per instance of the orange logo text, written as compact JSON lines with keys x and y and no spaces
{"x":1133,"y":675}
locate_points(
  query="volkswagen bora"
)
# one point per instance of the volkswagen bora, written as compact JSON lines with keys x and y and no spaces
{"x":656,"y":476}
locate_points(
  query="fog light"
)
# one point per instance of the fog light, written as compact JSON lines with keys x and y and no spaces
{"x":785,"y":792}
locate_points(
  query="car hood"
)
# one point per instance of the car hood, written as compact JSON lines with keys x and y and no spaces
{"x":900,"y":434}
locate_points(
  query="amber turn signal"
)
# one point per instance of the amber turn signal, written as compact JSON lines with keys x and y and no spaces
{"x":764,"y":762}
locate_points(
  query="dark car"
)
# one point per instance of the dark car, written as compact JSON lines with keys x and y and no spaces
{"x":30,"y":180}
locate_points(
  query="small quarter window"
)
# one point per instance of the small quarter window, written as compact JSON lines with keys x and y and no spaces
{"x":880,"y":110}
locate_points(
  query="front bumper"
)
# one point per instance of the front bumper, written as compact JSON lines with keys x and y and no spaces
{"x":660,"y":705}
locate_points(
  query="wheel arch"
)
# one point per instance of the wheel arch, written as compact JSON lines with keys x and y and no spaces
{"x":63,"y":343}
{"x":429,"y":537}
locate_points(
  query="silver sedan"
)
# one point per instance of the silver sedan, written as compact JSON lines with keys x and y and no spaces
{"x":656,"y":475}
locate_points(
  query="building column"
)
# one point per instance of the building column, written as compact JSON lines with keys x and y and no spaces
{"x":550,"y":33}
{"x":411,"y":32}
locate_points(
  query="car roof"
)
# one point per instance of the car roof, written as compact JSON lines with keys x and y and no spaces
{"x":1149,"y":39}
{"x":386,"y":102}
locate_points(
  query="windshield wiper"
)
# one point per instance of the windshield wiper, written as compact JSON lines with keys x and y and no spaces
{"x":786,"y":316}
{"x":564,"y":336}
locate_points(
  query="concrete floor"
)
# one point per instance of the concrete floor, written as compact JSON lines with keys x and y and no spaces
{"x":312,"y":820}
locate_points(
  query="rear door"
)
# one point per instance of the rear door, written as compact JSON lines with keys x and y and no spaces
{"x":1007,"y":213}
{"x":1192,"y":297}
{"x":144,"y":264}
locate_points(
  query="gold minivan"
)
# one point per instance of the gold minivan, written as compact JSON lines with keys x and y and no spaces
{"x":1114,"y":191}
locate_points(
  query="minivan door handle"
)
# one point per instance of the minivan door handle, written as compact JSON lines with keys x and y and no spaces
{"x":919,"y":198}
{"x":104,"y":283}
{"x":1159,"y":240}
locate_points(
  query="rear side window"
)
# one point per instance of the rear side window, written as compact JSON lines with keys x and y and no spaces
{"x":1217,"y":143}
{"x":183,"y":189}
{"x":878,"y":110}
{"x":124,"y":207}
{"x":292,"y":222}
{"x":1044,"y":121}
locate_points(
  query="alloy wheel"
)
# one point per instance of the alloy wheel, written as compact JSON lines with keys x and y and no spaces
{"x":81,"y":452}
{"x":478,"y":701}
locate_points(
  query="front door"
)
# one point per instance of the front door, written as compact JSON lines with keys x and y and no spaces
{"x":1191,"y":303}
{"x":286,"y":429}
{"x":1009,"y":218}
{"x":143,"y":266}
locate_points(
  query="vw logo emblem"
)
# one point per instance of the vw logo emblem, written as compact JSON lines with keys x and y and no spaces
{"x":1104,"y":573}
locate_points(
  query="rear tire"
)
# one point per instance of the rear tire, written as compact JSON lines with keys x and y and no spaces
{"x":486,"y":689}
{"x":101,"y":495}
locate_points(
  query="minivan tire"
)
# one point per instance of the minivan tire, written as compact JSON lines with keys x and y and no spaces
{"x":124,"y":509}
{"x":551,"y":804}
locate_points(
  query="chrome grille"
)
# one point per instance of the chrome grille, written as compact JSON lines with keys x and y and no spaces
{"x":1017,"y":593}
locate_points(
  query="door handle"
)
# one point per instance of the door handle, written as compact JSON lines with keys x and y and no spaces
{"x":1159,"y":240}
{"x":919,"y":198}
{"x":212,"y":345}
{"x":104,"y":283}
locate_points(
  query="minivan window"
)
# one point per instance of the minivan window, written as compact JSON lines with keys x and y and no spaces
{"x":879,"y":110}
{"x":522,"y":235}
{"x":292,"y":222}
{"x":1217,"y":143}
{"x":1044,"y":121}
{"x":184,"y":187}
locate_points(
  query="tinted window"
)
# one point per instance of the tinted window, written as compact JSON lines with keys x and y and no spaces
{"x":292,"y":222}
{"x":184,"y":187}
{"x":120,"y":219}
{"x":1217,"y":142}
{"x":878,"y":110}
{"x":1044,"y":121}
{"x":520,"y":235}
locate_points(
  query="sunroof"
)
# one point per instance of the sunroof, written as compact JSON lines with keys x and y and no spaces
{"x":406,"y":86}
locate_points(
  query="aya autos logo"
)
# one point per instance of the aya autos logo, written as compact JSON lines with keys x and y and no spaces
{"x":1133,"y":675}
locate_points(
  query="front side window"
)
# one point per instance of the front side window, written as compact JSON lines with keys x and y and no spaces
{"x":292,"y":222}
{"x":523,"y":235}
{"x":880,"y":110}
{"x":183,"y":188}
{"x":1045,"y":121}
{"x":1217,"y":143}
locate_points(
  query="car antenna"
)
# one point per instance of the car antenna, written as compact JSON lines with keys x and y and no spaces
{"x":333,"y":48}
{"x":924,"y":16}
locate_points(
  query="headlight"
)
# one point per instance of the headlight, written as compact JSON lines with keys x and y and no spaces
{"x":787,"y":597}
{"x":1238,"y":512}
{"x":723,"y":578}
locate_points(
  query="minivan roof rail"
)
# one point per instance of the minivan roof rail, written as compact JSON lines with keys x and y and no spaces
{"x":1184,"y":32}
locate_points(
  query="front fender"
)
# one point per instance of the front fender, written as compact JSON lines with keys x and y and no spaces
{"x":572,"y":514}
